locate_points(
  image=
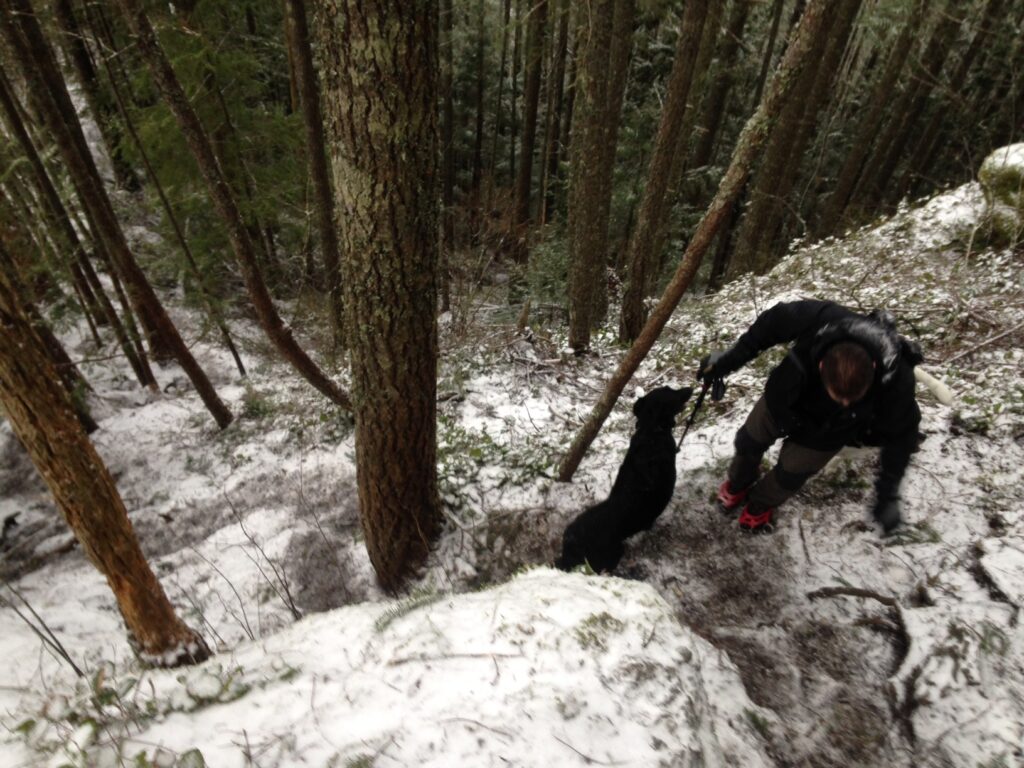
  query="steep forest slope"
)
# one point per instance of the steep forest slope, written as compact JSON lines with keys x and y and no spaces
{"x":822,"y":644}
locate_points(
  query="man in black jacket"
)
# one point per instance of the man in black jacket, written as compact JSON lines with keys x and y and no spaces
{"x":848,"y":379}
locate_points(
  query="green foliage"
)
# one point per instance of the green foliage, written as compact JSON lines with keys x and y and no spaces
{"x":237,"y":79}
{"x":758,"y":723}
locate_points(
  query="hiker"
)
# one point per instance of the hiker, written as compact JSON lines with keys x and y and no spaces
{"x":848,"y":379}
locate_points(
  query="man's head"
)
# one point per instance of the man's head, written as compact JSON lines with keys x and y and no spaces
{"x":847,"y":371}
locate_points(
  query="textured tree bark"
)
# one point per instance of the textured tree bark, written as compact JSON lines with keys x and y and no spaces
{"x":380,"y":61}
{"x":757,"y":129}
{"x":305,"y":75}
{"x":75,"y":385}
{"x":478,"y":138}
{"x":25,"y":37}
{"x":588,"y":212}
{"x":41,"y":415}
{"x":224,"y":200}
{"x":870,"y":122}
{"x":653,"y":209}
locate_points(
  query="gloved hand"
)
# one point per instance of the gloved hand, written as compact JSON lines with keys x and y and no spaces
{"x":706,"y":372}
{"x":887,"y":513}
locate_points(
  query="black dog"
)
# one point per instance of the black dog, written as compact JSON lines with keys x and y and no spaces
{"x":641,"y":491}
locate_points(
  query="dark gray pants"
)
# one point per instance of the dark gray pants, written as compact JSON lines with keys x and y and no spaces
{"x":796,"y":464}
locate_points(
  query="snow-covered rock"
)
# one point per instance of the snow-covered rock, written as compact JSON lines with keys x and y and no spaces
{"x":1002,"y":178}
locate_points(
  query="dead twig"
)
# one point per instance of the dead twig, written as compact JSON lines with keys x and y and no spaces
{"x":853,"y":592}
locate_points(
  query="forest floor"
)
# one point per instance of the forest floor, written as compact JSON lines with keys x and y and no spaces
{"x":822,"y":644}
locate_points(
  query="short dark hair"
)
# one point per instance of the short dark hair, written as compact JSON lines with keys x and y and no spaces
{"x":848,"y":370}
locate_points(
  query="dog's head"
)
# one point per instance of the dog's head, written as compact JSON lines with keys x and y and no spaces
{"x":661,"y":405}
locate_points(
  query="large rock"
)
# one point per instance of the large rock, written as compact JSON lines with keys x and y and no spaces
{"x":1002,"y":180}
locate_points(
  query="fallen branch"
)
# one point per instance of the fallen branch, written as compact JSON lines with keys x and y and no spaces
{"x":853,"y":592}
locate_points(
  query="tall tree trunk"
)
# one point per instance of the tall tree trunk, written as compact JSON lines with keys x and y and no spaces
{"x":717,"y":99}
{"x":41,"y":415}
{"x":751,"y":252}
{"x":654,"y":208}
{"x":25,"y":38}
{"x":448,"y":150}
{"x":623,"y":22}
{"x":780,"y":205}
{"x":553,"y":123}
{"x":382,"y":61}
{"x":499,"y":114}
{"x":298,"y":42}
{"x":73,"y":43}
{"x":517,"y":36}
{"x":588,"y":212}
{"x":758,"y":127}
{"x":904,"y":114}
{"x":478,"y":139}
{"x":224,"y":200}
{"x":75,"y":385}
{"x":769,"y":51}
{"x":214,"y":312}
{"x":953,"y":102}
{"x":536,"y":22}
{"x":870,"y":121}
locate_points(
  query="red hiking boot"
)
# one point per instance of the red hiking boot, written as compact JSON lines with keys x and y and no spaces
{"x":757,"y":522}
{"x":727,"y":500}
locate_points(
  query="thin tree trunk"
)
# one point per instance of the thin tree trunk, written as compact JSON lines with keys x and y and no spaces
{"x":499,"y":115}
{"x":623,"y":22}
{"x":870,"y":121}
{"x":386,"y":175}
{"x":478,"y":140}
{"x":199,"y":143}
{"x":73,"y":43}
{"x":62,"y":223}
{"x":889,"y":149}
{"x":717,"y":100}
{"x":552,"y":128}
{"x":41,"y":415}
{"x":588,"y":221}
{"x":211,"y":308}
{"x":448,"y":153}
{"x":298,"y":42}
{"x":54,"y":104}
{"x":769,"y":50}
{"x":536,"y":22}
{"x":758,"y":127}
{"x":654,"y":208}
{"x":780,"y":205}
{"x":751,"y":253}
{"x":953,"y":104}
{"x":517,"y":35}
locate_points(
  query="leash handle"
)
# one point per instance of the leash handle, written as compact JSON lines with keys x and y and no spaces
{"x":717,"y":387}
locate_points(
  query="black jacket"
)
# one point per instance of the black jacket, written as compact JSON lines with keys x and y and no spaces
{"x":887,"y":416}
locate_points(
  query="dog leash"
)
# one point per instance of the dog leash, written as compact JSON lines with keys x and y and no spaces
{"x":717,"y":387}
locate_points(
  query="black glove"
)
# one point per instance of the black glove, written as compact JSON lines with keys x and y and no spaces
{"x":707,"y":372}
{"x":887,"y":513}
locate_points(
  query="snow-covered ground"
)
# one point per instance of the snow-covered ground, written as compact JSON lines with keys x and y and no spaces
{"x":820,"y":645}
